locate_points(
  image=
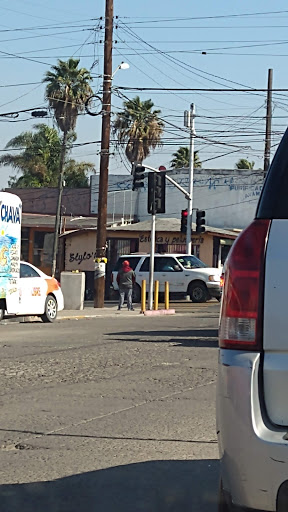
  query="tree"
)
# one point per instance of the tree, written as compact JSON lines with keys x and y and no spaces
{"x":181,"y":158}
{"x":139,"y":127}
{"x":244,"y":164}
{"x":75,"y":173}
{"x":39,"y":158}
{"x":67,"y":91}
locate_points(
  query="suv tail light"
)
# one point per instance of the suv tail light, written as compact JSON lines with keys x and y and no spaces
{"x":241,"y":313}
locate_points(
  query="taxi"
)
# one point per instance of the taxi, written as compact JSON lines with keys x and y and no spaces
{"x":39,"y":294}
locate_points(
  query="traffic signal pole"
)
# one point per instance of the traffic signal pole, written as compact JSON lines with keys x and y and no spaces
{"x":153,"y":229}
{"x":151,"y":267}
{"x":168,"y":178}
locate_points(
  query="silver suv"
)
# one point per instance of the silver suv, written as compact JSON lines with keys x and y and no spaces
{"x":187,"y":275}
{"x":252,"y":397}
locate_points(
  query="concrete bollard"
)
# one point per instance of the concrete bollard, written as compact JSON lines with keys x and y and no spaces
{"x":73,"y":289}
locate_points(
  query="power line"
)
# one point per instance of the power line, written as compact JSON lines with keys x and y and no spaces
{"x":169,"y":89}
{"x":240,"y":15}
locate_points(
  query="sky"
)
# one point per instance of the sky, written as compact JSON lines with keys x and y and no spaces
{"x":168,"y":45}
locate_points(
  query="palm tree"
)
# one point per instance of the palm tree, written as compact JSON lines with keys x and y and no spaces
{"x":244,"y":164}
{"x":67,"y":91}
{"x":181,"y":158}
{"x":38,"y":160}
{"x":139,"y":127}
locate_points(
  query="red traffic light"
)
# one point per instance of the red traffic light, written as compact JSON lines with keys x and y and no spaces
{"x":184,"y":219}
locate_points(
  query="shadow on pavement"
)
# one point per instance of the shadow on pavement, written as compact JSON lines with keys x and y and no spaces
{"x":183,"y":338}
{"x":155,"y":486}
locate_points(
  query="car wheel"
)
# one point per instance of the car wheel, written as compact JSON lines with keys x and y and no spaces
{"x":50,"y":314}
{"x":136,"y":297}
{"x":198,"y":292}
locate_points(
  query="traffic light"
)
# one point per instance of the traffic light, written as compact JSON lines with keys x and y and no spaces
{"x":200,"y":221}
{"x":156,"y":192}
{"x":184,"y":217}
{"x":138,"y":177}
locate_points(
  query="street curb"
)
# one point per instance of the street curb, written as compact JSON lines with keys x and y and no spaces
{"x":159,"y":312}
{"x":105,"y":315}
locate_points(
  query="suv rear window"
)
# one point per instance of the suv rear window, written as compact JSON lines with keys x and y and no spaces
{"x":132,"y":260}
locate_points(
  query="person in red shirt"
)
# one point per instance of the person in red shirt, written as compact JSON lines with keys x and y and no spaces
{"x":125,"y":280}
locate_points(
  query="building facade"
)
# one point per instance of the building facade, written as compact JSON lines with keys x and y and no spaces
{"x":211,"y":247}
{"x":229,"y":197}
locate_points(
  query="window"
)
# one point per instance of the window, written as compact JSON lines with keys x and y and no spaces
{"x":27,"y":271}
{"x":166,"y":264}
{"x":25,"y":244}
{"x":145,"y":265}
{"x":191,"y":262}
{"x":39,"y":245}
{"x":133,"y":262}
{"x":161,"y":264}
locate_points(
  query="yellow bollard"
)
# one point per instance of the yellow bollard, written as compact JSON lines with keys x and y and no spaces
{"x":143,"y":296}
{"x":166,"y":294}
{"x":156,"y":295}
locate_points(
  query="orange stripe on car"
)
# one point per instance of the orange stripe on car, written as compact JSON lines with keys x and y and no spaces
{"x":52,"y":285}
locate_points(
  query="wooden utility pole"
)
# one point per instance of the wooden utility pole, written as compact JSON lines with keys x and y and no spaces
{"x":99,"y":277}
{"x":268,"y":123}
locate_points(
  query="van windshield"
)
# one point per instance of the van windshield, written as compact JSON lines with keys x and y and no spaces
{"x":191,"y":262}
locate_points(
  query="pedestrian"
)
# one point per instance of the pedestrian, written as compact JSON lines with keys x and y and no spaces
{"x":125,"y":280}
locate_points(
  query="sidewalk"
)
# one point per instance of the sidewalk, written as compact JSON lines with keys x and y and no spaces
{"x":109,"y":310}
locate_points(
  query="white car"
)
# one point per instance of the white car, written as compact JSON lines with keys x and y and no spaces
{"x":39,"y":294}
{"x":187,"y":275}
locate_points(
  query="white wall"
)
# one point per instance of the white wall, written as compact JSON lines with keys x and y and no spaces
{"x":229,"y":197}
{"x":121,"y":199}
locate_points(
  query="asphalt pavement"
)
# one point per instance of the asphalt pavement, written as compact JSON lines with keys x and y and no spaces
{"x":113,"y":413}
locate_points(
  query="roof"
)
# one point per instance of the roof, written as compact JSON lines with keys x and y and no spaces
{"x":171,"y":225}
{"x":162,"y":224}
{"x":35,"y":220}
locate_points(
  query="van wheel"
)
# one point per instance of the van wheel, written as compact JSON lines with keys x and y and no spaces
{"x":198,"y":292}
{"x":1,"y":314}
{"x":50,"y":314}
{"x":136,"y":297}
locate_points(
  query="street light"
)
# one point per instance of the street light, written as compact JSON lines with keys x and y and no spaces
{"x":123,"y":65}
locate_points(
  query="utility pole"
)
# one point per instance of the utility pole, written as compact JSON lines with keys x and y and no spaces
{"x":99,"y":276}
{"x":59,"y":204}
{"x":189,"y":121}
{"x":268,"y":123}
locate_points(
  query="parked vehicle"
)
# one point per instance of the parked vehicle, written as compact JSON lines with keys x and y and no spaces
{"x":187,"y":275}
{"x":24,"y":290}
{"x":252,"y":403}
{"x":39,"y":295}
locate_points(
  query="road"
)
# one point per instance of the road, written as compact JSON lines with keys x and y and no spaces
{"x":109,"y":415}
